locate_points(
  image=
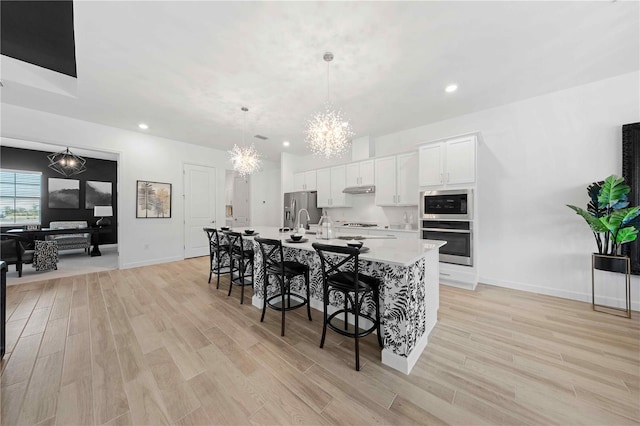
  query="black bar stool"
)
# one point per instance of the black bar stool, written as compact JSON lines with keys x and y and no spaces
{"x":220,"y":262}
{"x":340,"y":275}
{"x":284,"y":271}
{"x":241,"y":261}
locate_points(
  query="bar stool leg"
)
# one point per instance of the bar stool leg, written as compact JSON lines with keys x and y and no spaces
{"x":282,"y":291}
{"x":231,"y":262}
{"x":376,"y":294}
{"x":210,"y":267}
{"x":265,"y":284}
{"x":357,"y":332}
{"x":244,"y":270}
{"x":324,"y":322}
{"x":306,"y":281}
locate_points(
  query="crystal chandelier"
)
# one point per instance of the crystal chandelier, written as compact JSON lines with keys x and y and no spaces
{"x":245,"y":159}
{"x":328,"y":132}
{"x":67,"y":163}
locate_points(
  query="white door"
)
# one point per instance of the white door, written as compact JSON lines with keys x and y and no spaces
{"x":241,"y":202}
{"x":199,"y":206}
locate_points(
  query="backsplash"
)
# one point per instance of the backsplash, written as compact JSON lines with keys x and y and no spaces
{"x":363,"y":209}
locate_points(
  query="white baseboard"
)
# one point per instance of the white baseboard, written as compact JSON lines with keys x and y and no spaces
{"x":467,"y":286}
{"x":151,"y":262}
{"x":574,"y":295}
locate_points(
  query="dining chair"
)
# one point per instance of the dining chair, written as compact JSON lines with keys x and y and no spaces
{"x":12,"y":251}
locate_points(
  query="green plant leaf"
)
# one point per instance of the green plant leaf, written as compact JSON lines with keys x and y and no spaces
{"x":620,"y":218}
{"x":626,"y":235}
{"x":613,"y":192}
{"x":595,"y":223}
{"x":594,"y":191}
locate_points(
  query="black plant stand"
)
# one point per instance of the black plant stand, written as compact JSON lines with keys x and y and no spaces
{"x":3,"y":305}
{"x":620,"y":264}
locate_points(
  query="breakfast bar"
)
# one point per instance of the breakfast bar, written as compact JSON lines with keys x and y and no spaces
{"x":409,"y":298}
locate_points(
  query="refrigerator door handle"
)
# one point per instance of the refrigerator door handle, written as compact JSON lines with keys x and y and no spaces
{"x":293,"y":211}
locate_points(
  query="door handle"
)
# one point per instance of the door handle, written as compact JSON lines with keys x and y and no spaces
{"x":213,"y":221}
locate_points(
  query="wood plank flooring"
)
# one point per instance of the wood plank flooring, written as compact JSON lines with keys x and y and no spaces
{"x":158,"y":345}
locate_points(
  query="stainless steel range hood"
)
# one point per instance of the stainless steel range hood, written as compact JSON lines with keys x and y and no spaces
{"x":364,"y":189}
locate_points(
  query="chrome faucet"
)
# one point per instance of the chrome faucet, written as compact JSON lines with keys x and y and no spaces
{"x":308,"y":218}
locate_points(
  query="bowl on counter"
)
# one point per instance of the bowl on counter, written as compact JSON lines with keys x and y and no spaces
{"x":296,"y":237}
{"x":354,"y":243}
{"x":224,"y":228}
{"x":249,"y":231}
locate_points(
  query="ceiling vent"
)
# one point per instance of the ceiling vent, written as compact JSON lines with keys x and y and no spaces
{"x":264,"y":138}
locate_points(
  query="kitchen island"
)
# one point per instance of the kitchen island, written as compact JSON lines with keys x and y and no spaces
{"x":409,"y":295}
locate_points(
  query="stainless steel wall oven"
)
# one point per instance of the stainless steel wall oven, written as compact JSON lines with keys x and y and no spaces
{"x":459,"y":237}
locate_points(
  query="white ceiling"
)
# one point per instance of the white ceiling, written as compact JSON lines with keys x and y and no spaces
{"x":186,"y":68}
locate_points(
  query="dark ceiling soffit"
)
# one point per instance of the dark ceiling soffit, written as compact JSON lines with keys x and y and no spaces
{"x":40,"y":33}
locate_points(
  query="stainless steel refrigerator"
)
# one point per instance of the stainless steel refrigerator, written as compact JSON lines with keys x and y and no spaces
{"x":294,"y":201}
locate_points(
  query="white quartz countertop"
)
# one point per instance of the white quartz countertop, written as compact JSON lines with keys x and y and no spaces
{"x":394,"y":251}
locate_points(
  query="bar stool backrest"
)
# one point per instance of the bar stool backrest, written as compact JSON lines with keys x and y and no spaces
{"x":214,"y":239}
{"x":344,"y":266}
{"x":236,"y":244}
{"x":272,"y":255}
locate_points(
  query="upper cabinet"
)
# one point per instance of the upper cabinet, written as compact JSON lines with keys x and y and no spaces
{"x":305,"y":181}
{"x":448,"y":163}
{"x":330,"y":183}
{"x":396,"y":180}
{"x":360,"y":173}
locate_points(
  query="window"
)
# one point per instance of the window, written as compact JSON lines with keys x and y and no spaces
{"x":19,"y":197}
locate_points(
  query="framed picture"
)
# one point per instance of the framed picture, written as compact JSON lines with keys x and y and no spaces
{"x":97,"y":194}
{"x":153,"y":199}
{"x":64,"y":193}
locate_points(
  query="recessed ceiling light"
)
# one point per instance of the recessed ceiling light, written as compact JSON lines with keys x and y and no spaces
{"x":143,"y":126}
{"x":451,"y":88}
{"x":285,"y":143}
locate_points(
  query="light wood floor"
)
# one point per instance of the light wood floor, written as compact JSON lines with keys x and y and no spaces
{"x":157,"y":345}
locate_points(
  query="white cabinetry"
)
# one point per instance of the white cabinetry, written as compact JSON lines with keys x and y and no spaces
{"x":450,"y":162}
{"x":305,"y":181}
{"x":396,"y":180}
{"x":330,"y":183}
{"x":360,"y":173}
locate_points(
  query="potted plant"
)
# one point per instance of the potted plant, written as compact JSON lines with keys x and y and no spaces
{"x":612,"y":221}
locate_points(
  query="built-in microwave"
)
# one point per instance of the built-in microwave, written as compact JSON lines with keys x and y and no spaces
{"x":447,"y":204}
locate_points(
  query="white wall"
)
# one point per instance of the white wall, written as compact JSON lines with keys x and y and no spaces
{"x":141,"y":157}
{"x":536,"y":156}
